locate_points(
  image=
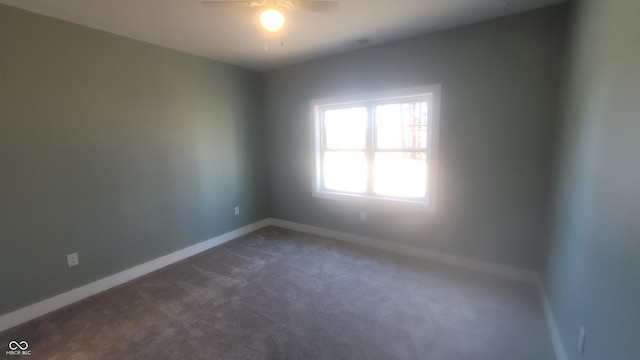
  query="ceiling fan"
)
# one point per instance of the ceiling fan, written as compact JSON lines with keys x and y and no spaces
{"x":271,"y":18}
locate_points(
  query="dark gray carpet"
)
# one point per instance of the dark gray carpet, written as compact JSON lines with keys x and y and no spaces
{"x":279,"y":294}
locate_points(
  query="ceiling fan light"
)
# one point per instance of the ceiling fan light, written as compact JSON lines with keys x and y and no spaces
{"x":272,"y":20}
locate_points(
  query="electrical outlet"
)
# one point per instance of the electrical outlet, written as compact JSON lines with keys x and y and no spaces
{"x":72,"y":259}
{"x":581,"y":339}
{"x":237,"y":210}
{"x":363,"y":216}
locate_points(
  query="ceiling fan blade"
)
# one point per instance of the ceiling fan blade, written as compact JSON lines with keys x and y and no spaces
{"x":233,"y":2}
{"x":316,"y":6}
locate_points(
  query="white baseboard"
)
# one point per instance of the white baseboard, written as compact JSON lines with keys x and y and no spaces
{"x":30,"y":312}
{"x":436,"y":256}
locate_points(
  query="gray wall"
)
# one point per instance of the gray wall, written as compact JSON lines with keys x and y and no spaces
{"x":593,"y":275}
{"x":500,"y":93}
{"x":115,"y":149}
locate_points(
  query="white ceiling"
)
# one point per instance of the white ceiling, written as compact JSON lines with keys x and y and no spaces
{"x":232,"y":34}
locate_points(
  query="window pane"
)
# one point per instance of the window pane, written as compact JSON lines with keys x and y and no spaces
{"x":345,"y":128}
{"x":401,"y":174}
{"x":345,"y":171}
{"x":402,"y":125}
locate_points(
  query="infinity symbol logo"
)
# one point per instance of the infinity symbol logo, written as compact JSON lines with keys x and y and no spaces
{"x":22,"y":345}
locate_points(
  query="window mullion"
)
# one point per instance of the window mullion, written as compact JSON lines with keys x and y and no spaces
{"x":369,"y":151}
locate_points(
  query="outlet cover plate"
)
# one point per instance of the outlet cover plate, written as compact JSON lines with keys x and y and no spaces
{"x":73,"y":260}
{"x":581,"y":339}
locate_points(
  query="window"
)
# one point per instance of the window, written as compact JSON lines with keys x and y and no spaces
{"x":377,"y":147}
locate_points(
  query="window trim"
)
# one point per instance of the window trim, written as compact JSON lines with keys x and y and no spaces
{"x":318,"y":105}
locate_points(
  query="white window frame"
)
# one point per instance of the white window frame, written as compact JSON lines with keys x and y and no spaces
{"x":319,"y":105}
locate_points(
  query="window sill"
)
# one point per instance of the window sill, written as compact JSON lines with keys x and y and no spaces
{"x":415,"y":205}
